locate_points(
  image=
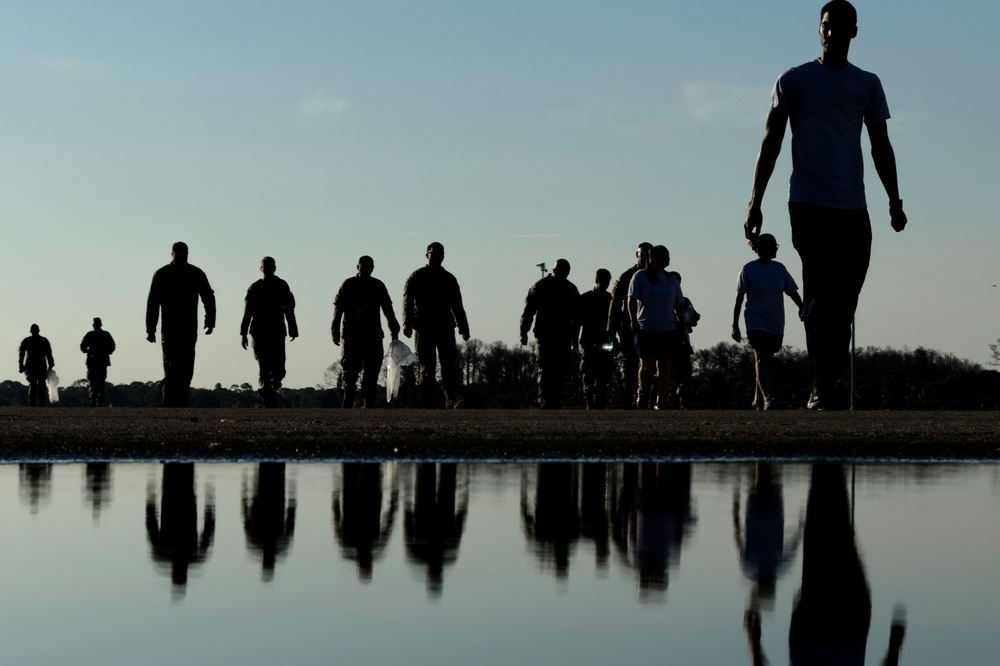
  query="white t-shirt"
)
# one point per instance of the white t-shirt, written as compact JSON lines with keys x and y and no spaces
{"x":827,"y":107}
{"x":765,"y":285}
{"x":656,"y":301}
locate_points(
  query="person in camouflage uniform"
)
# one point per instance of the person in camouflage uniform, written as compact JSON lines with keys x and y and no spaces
{"x":620,"y":327}
{"x":34,"y":360}
{"x":175,"y":290}
{"x":98,"y":345}
{"x":597,"y":363}
{"x":432,"y":307}
{"x":552,"y":302}
{"x":268,"y":304}
{"x":356,"y":323}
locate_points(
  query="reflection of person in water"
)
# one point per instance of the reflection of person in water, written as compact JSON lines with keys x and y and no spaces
{"x":34,"y":482}
{"x":434,"y":521}
{"x":833,"y":610}
{"x":764,"y":553}
{"x":97,"y":486}
{"x":173,"y":533}
{"x":652,"y":518}
{"x":268,"y":519}
{"x":361,"y":526}
{"x":552,"y":525}
{"x":594,"y":520}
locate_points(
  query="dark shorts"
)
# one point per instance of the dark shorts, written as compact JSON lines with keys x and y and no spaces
{"x":765,"y":343}
{"x":649,"y":344}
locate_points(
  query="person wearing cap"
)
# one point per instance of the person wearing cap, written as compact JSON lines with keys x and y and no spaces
{"x":552,"y":302}
{"x":98,"y":345}
{"x":175,"y":290}
{"x":268,"y":304}
{"x":432,"y":307}
{"x":34,"y":360}
{"x":358,"y":324}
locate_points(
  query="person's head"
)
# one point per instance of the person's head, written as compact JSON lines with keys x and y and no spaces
{"x":642,"y":254}
{"x":366,"y":266}
{"x":602,"y":280}
{"x":838,"y":25}
{"x":659,"y":258}
{"x":179,"y":253}
{"x":561,"y":269}
{"x":97,"y":323}
{"x":766,"y":247}
{"x":435,"y":254}
{"x":267,"y":266}
{"x":34,"y":329}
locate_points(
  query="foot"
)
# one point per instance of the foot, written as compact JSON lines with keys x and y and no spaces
{"x":819,"y":403}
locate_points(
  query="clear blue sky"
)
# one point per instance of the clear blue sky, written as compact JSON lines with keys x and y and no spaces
{"x":513,"y":132}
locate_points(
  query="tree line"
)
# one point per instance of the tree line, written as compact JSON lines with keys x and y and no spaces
{"x":497,"y":376}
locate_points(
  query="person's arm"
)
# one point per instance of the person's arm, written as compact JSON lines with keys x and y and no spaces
{"x":796,"y":299}
{"x":459,"y":311}
{"x":633,"y":313}
{"x":615,"y":310}
{"x":408,"y":306}
{"x":247,"y":317}
{"x":293,"y":325}
{"x":111,"y":345}
{"x":528,"y":315}
{"x":208,"y":300}
{"x":770,"y":148}
{"x":48,"y":355}
{"x":884,"y":158}
{"x":338,"y":315}
{"x":85,"y":344}
{"x":390,"y":316}
{"x":737,"y":336}
{"x":152,"y":310}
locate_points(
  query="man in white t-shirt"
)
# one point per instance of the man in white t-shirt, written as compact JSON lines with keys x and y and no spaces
{"x":827,"y":101}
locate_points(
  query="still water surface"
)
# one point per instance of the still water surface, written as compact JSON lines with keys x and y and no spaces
{"x":578,"y":563}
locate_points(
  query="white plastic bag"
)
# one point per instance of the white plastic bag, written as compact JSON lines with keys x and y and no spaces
{"x":53,"y":382}
{"x":397,"y":356}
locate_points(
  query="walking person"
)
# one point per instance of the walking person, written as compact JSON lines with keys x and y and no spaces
{"x":98,"y":345}
{"x":598,"y":362}
{"x":619,"y":326}
{"x":175,"y":290}
{"x":827,"y":101}
{"x":656,"y":314}
{"x":432,"y":309}
{"x":269,"y":303}
{"x":764,"y":283}
{"x":552,"y":302}
{"x":34,"y":360}
{"x":357,"y":329}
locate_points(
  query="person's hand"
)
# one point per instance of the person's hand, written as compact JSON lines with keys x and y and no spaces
{"x":209,"y":329}
{"x":20,"y":368}
{"x":465,"y":337}
{"x":408,"y":331}
{"x":754,"y":221}
{"x":292,"y":338}
{"x":395,"y":336}
{"x":336,"y":338}
{"x":897,"y":218}
{"x":151,"y":337}
{"x":244,"y":343}
{"x":524,"y":339}
{"x":635,"y":327}
{"x":737,"y":336}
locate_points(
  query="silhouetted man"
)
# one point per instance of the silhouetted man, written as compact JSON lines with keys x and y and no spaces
{"x":620,"y":326}
{"x":268,"y":304}
{"x":268,"y":516}
{"x":175,"y":289}
{"x":357,"y":323}
{"x":827,"y":100}
{"x":34,"y":360}
{"x":598,"y":363}
{"x":552,"y":302}
{"x":432,"y":306}
{"x":98,"y":345}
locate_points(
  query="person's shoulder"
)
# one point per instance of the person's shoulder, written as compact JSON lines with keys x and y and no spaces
{"x":805,"y":68}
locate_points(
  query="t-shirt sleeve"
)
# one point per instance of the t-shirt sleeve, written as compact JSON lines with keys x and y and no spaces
{"x":634,"y":288}
{"x":790,"y":286}
{"x":877,"y":109}
{"x":780,"y":92}
{"x":742,"y":284}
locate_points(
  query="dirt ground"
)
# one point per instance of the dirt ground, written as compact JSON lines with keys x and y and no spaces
{"x":332,"y":434}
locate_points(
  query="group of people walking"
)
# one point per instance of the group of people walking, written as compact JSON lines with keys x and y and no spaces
{"x":645,"y":315}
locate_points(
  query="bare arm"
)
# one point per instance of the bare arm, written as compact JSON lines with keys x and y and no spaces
{"x":770,"y":148}
{"x":884,"y":158}
{"x":737,"y":336}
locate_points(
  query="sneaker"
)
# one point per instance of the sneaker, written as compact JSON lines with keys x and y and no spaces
{"x":819,"y":403}
{"x":756,"y":406}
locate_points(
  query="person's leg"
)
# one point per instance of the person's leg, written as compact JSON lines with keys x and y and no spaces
{"x":178,"y":369}
{"x":451,"y":379}
{"x":630,"y":372}
{"x":425,"y":344}
{"x":663,"y":362}
{"x":351,"y":363}
{"x":372,"y":370}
